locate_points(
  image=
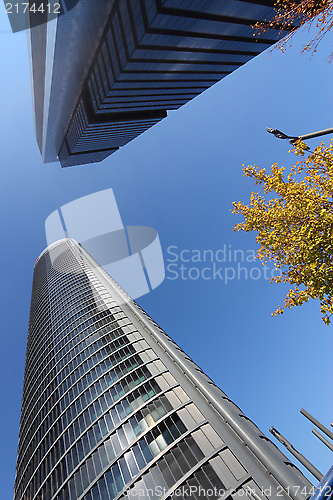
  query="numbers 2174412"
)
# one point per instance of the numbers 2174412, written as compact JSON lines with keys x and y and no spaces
{"x":22,"y":8}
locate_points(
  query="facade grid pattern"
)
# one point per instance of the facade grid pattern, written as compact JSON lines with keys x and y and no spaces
{"x":150,"y":56}
{"x":105,"y":412}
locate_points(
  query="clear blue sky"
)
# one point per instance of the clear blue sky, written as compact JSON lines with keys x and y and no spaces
{"x":180,"y":178}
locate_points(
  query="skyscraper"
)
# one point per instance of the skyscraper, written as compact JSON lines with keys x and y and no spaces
{"x":108,"y":70}
{"x":113,"y":408}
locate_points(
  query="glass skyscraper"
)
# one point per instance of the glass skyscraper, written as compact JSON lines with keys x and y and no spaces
{"x":108,"y":70}
{"x":112,"y":408}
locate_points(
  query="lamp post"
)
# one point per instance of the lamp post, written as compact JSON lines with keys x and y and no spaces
{"x":293,"y":139}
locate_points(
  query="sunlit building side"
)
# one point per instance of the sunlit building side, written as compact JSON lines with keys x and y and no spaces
{"x":113,"y":408}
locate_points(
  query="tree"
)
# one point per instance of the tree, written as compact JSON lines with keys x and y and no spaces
{"x":295,"y":228}
{"x":293,"y":14}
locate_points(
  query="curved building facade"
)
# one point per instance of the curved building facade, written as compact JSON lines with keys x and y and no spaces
{"x":112,"y":408}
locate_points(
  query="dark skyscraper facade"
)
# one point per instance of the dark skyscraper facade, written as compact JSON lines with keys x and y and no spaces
{"x":112,"y":408}
{"x":108,"y":70}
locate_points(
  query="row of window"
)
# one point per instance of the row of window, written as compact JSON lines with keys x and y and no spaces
{"x":113,"y":418}
{"x":76,"y":324}
{"x":46,"y":306}
{"x":59,"y":376}
{"x":125,"y":367}
{"x":125,"y":435}
{"x":127,"y":406}
{"x":110,"y":485}
{"x":47,"y":388}
{"x":72,"y":410}
{"x":127,"y":467}
{"x":47,"y":314}
{"x":86,"y":334}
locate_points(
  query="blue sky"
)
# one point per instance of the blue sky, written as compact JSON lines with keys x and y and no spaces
{"x":180,"y":178}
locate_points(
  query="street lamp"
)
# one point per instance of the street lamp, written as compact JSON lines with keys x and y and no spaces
{"x":293,"y":139}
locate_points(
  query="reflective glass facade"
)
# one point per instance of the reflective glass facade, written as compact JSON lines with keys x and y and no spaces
{"x":113,"y":408}
{"x":114,"y":67}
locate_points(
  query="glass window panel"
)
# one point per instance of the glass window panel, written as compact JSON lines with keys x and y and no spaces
{"x":188,"y":454}
{"x":122,"y":438}
{"x":157,"y":413}
{"x":131,"y":463}
{"x":109,"y":449}
{"x":180,"y":459}
{"x":194,"y":448}
{"x":165,"y":471}
{"x":150,"y":486}
{"x":165,"y":402}
{"x":173,"y":466}
{"x":149,"y":419}
{"x":78,"y":484}
{"x":161,"y":443}
{"x":162,"y":383}
{"x":84,"y":476}
{"x":80,"y":450}
{"x":108,"y":422}
{"x":103,"y":490}
{"x":135,"y":425}
{"x":173,"y":430}
{"x":124,"y":470}
{"x":103,"y":456}
{"x":139,"y":458}
{"x":92,"y":414}
{"x":115,"y":416}
{"x":213,"y":478}
{"x":143,"y":425}
{"x":129,"y":432}
{"x":157,"y":476}
{"x":152,"y":445}
{"x":95,"y":492}
{"x":72,"y":492}
{"x":118,"y":478}
{"x":169,"y":378}
{"x":109,"y":479}
{"x":102,"y":426}
{"x":92,"y":438}
{"x":98,"y":408}
{"x":166,"y":434}
{"x":192,"y":482}
{"x":145,"y":451}
{"x":204,"y":444}
{"x":97,"y":463}
{"x":104,"y":404}
{"x":202,"y":479}
{"x":116,"y":444}
{"x":135,"y":491}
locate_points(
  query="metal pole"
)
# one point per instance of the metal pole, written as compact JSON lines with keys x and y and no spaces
{"x":308,"y":465}
{"x":317,"y":134}
{"x":319,"y":436}
{"x":317,"y":423}
{"x":324,"y":488}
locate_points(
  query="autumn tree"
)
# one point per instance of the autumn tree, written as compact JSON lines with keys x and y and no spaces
{"x":293,"y":216}
{"x":293,"y":14}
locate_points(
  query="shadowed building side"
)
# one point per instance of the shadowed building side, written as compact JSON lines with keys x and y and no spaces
{"x":145,"y":57}
{"x":112,"y":408}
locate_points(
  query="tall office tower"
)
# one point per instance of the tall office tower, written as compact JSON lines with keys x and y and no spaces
{"x":113,"y":409}
{"x":108,"y":70}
